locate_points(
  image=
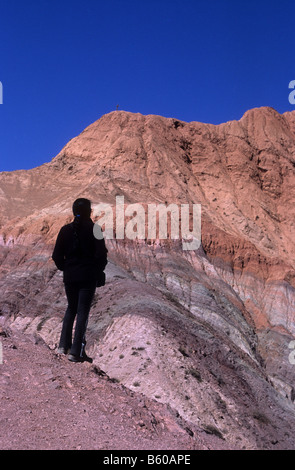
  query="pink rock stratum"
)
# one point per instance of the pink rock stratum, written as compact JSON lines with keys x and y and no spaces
{"x":194,"y":345}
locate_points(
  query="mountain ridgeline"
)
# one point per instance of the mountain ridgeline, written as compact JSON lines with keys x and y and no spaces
{"x":206,"y":331}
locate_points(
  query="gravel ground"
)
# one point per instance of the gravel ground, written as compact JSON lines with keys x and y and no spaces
{"x":49,"y":403}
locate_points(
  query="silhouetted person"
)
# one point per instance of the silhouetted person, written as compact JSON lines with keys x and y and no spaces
{"x":82,"y":258}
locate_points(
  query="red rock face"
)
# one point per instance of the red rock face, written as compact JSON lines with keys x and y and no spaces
{"x":224,"y":311}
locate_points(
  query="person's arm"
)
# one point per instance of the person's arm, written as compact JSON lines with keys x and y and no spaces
{"x":58,"y":252}
{"x":101,"y":261}
{"x":100,"y":254}
{"x":101,"y":251}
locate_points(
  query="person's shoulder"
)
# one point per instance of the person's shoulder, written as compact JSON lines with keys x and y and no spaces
{"x":89,"y":223}
{"x":88,"y":226}
{"x":66,"y":228}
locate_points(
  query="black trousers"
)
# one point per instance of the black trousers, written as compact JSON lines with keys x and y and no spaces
{"x":79,"y":296}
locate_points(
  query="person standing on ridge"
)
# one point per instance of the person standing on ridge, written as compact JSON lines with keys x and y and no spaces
{"x":82,"y":258}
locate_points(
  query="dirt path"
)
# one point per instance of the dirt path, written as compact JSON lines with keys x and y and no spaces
{"x":49,"y":403}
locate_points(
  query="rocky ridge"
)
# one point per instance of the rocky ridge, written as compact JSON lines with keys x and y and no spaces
{"x":205,"y":332}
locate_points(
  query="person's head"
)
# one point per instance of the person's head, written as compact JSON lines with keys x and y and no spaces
{"x":82,"y":208}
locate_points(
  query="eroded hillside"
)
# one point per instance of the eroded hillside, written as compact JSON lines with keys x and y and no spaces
{"x":203,"y":331}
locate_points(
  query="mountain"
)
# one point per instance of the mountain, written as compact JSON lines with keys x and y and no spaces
{"x":206,"y":331}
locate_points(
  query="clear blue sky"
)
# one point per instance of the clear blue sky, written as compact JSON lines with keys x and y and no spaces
{"x":65,"y":63}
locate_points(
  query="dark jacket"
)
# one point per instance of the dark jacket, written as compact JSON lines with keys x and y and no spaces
{"x":82,"y":257}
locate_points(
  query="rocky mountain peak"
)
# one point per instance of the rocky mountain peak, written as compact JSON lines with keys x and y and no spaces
{"x":206,"y":331}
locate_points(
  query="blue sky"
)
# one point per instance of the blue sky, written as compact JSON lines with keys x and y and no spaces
{"x":65,"y":63}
